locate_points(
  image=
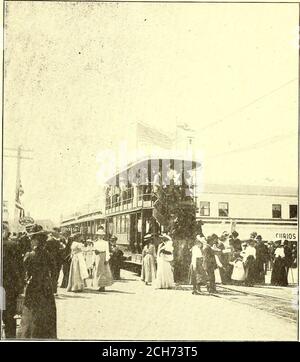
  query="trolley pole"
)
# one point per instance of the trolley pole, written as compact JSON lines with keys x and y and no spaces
{"x":19,"y":156}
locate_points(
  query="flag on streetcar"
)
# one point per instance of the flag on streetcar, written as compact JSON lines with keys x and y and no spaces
{"x":151,"y":136}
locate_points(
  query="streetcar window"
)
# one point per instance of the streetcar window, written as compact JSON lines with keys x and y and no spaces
{"x":120,"y":224}
{"x":276,"y":211}
{"x":204,"y":208}
{"x":293,"y":211}
{"x":223,"y":209}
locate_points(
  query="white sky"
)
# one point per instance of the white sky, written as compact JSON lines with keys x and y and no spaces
{"x":78,"y":73}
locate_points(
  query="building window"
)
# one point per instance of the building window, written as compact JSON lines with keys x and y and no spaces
{"x":276,"y":211}
{"x":204,"y":208}
{"x":293,"y":211}
{"x":223,"y":209}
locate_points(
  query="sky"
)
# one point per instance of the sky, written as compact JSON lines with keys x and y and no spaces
{"x":77,"y":74}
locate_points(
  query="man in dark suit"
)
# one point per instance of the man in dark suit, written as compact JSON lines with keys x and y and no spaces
{"x":261,"y":260}
{"x":235,"y":242}
{"x":288,"y":256}
{"x":13,"y":281}
{"x":55,"y":246}
{"x":116,"y":259}
{"x":209,"y":263}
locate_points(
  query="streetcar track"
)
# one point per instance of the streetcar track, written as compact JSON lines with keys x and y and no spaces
{"x":277,"y":311}
{"x":291,"y":318}
{"x":255,"y":294}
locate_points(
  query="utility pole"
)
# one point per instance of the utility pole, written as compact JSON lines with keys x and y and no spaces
{"x":19,"y":156}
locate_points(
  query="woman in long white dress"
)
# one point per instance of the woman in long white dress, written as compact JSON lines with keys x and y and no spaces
{"x":164,"y":276}
{"x":102,"y":273}
{"x":148,"y":264}
{"x":78,"y":270}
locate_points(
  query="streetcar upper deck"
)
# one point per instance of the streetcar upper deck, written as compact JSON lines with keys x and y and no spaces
{"x":132,"y":187}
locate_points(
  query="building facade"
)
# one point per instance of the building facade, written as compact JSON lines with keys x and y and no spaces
{"x":270,"y":211}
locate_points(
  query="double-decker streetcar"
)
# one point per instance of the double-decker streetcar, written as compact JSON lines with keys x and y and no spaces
{"x":131,"y":194}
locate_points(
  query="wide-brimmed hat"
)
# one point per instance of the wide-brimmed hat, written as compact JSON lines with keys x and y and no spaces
{"x":35,"y":229}
{"x":201,"y":239}
{"x":36,"y":232}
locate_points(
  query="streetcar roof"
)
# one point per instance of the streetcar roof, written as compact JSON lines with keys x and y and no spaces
{"x":95,"y":215}
{"x":188,"y":164}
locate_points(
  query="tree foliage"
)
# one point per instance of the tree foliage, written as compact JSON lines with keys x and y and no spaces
{"x":175,"y":209}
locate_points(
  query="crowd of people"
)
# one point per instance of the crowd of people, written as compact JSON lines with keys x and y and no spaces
{"x":34,"y":261}
{"x":227,"y":257}
{"x":242,"y":263}
{"x":32,"y":264}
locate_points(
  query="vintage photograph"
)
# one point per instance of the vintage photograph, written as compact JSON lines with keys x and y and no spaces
{"x":149,"y":171}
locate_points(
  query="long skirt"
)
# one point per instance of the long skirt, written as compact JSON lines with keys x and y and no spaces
{"x":197,"y":275}
{"x":260,"y":271}
{"x":66,"y":271}
{"x":279,"y":274}
{"x":164,"y":277}
{"x":78,"y":273}
{"x":148,"y":269}
{"x":250,"y":271}
{"x":55,"y":275}
{"x":38,"y":316}
{"x":102,"y":273}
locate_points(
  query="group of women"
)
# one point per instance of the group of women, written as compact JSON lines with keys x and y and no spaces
{"x":161,"y":277}
{"x":96,"y":259}
{"x":39,"y":308}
